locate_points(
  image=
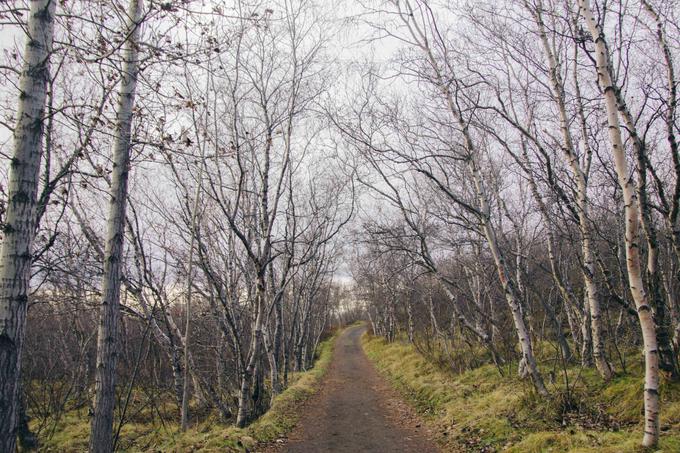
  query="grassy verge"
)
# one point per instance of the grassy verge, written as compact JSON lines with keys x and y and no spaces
{"x":209,"y":435}
{"x":480,"y":410}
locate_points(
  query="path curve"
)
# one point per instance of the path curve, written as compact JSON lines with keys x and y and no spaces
{"x":355,"y":410}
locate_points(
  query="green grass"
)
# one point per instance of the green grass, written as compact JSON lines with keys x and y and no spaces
{"x":209,"y":435}
{"x":480,"y":410}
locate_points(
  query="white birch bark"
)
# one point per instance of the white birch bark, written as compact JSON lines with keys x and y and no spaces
{"x":107,"y":350}
{"x":632,"y":228}
{"x":509,"y":289}
{"x":19,"y":228}
{"x":588,"y":269}
{"x":254,"y":351}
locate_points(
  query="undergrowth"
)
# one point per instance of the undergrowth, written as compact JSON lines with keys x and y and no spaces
{"x":209,"y":435}
{"x":480,"y":410}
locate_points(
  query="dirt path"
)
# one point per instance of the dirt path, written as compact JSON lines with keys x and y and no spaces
{"x":356,"y":410}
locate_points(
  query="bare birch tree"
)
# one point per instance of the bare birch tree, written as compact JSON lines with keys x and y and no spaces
{"x":101,"y":437}
{"x":16,"y":253}
{"x":610,"y":91}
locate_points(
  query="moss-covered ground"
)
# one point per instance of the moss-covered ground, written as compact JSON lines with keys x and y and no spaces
{"x":482,"y":410}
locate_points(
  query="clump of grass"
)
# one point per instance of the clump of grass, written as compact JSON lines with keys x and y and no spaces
{"x":480,"y":410}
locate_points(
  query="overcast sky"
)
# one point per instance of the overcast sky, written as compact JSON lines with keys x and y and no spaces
{"x":352,"y":43}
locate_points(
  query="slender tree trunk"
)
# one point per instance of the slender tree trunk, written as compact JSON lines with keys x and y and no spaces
{"x":430,"y":310}
{"x":304,"y":336}
{"x":632,"y":246}
{"x":278,"y":342}
{"x":273,"y":365}
{"x":19,"y":228}
{"x":371,"y":319}
{"x":588,"y":270}
{"x":391,"y":317}
{"x":28,"y":441}
{"x":573,"y":325}
{"x":566,"y":295}
{"x":586,"y":334}
{"x":247,"y":374}
{"x":184,"y":412}
{"x":667,"y":359}
{"x":107,"y":348}
{"x":184,"y":415}
{"x":287,"y":350}
{"x":511,"y":293}
{"x":178,"y":379}
{"x":409,"y":314}
{"x":475,"y":328}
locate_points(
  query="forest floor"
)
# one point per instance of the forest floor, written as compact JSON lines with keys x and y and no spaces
{"x":480,"y":410}
{"x":356,"y":410}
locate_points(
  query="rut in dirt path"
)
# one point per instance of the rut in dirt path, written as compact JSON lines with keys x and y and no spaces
{"x":356,"y":410}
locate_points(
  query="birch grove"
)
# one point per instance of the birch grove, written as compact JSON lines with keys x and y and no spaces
{"x":221,"y":306}
{"x":500,"y":112}
{"x":195,"y":194}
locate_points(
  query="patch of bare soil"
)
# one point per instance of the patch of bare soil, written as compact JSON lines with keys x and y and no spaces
{"x":355,"y":411}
